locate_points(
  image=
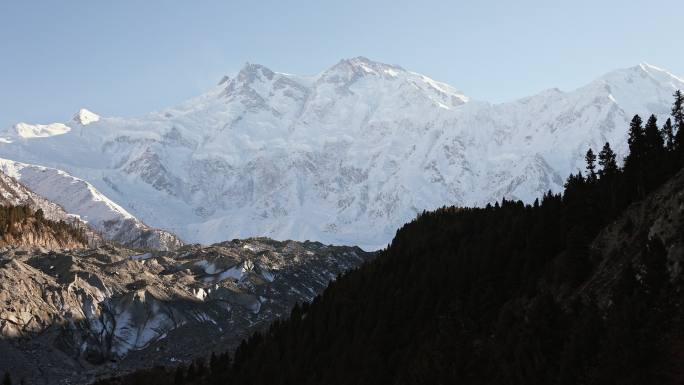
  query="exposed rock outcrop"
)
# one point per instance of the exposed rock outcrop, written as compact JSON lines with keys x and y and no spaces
{"x":75,"y":314}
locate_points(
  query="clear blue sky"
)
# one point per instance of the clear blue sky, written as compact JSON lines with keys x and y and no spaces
{"x":130,"y":57}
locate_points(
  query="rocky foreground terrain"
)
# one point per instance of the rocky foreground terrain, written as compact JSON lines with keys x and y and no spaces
{"x":68,"y":317}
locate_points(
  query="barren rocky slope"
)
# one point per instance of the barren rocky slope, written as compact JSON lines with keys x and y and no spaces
{"x":67,"y":316}
{"x":620,"y":245}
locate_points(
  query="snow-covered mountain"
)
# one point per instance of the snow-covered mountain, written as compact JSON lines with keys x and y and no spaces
{"x":67,"y":198}
{"x":345,"y":156}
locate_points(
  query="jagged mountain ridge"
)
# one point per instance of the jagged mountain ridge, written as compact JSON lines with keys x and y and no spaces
{"x":70,"y":199}
{"x":345,"y":156}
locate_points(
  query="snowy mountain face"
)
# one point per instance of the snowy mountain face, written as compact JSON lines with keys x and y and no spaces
{"x":343,"y":157}
{"x":67,"y":198}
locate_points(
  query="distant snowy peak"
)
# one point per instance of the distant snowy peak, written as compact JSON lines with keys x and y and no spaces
{"x":359,"y":73}
{"x":85,"y":117}
{"x":251,"y":72}
{"x":642,"y":89}
{"x":255,"y":85}
{"x":361,"y":66}
{"x":358,"y":77}
{"x":643,"y":72}
{"x":30,"y":131}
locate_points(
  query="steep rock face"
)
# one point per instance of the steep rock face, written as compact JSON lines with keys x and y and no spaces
{"x":76,"y":314}
{"x":621,"y":245}
{"x":345,"y":156}
{"x":85,"y":203}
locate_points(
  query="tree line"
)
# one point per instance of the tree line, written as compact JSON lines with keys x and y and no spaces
{"x":13,"y":218}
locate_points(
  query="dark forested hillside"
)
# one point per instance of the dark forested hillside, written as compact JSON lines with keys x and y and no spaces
{"x":579,"y":288}
{"x":21,"y":226}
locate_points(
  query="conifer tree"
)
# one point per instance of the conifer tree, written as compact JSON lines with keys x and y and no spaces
{"x":607,"y":161}
{"x":199,"y":367}
{"x":179,"y":376}
{"x":590,"y":158}
{"x":655,"y":164}
{"x":7,"y":380}
{"x":667,"y":133}
{"x":609,"y":174}
{"x":191,"y":371}
{"x":652,"y":139}
{"x":634,"y":162}
{"x":213,"y":362}
{"x":678,"y":120}
{"x":635,"y":139}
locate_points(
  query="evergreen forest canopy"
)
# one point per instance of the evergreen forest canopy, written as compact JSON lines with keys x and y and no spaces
{"x":16,"y":219}
{"x":493,"y":295}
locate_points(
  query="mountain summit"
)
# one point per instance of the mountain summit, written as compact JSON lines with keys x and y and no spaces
{"x":85,"y":117}
{"x":345,"y":156}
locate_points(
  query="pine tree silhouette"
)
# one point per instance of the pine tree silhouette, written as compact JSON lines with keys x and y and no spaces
{"x":590,"y":158}
{"x":608,"y":161}
{"x":635,"y":138}
{"x":653,"y":139}
{"x":678,"y":121}
{"x":634,"y":162}
{"x":179,"y":377}
{"x":655,"y":155}
{"x":668,"y":134}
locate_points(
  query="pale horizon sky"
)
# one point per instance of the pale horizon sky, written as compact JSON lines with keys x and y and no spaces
{"x":127,"y":58}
